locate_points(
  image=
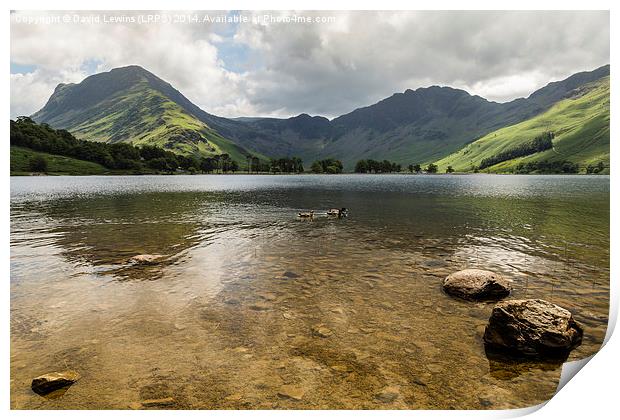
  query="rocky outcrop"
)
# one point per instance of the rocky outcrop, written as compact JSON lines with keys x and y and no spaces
{"x":53,"y":381}
{"x":475,"y":284}
{"x":532,"y":328}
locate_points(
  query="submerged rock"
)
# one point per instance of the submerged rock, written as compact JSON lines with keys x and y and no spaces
{"x":476,"y":284}
{"x":532,"y":327}
{"x":291,"y":391}
{"x":260,"y":306}
{"x":321,"y":331}
{"x":53,"y":381}
{"x":146,"y":259}
{"x":388,"y":395}
{"x":290,"y":275}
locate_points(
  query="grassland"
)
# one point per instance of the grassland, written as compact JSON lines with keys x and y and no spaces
{"x":580,"y":124}
{"x":56,"y":165}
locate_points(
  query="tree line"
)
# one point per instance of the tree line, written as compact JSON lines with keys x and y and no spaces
{"x":547,"y":167}
{"x":327,"y":166}
{"x":370,"y":166}
{"x":538,"y":144}
{"x":287,"y":165}
{"x":595,"y":169}
{"x":25,"y":132}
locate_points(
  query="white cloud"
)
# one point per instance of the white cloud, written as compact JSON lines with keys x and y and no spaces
{"x":322,"y":68}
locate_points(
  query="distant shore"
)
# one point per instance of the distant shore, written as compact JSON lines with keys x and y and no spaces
{"x":120,"y":173}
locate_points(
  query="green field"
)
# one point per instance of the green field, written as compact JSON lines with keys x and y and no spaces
{"x":56,"y":165}
{"x":580,"y":124}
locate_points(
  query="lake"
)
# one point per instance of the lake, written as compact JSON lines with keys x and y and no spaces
{"x":252,"y":307}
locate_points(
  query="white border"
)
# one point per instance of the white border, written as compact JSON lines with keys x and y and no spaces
{"x":593,"y":393}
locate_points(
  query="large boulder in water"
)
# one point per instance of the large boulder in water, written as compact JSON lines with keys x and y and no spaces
{"x":475,"y":284}
{"x":53,"y":381}
{"x":532,"y":328}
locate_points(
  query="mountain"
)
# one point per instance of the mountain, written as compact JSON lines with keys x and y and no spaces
{"x":579,"y":123}
{"x":416,"y":126}
{"x":133,"y":105}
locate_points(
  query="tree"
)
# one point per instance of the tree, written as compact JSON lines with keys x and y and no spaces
{"x":316,"y":167}
{"x":159,"y":164}
{"x":207,"y":165}
{"x":449,"y":170}
{"x":38,"y":164}
{"x":256,"y":164}
{"x":591,"y":169}
{"x":361,"y":167}
{"x":417,"y":168}
{"x":431,"y":168}
{"x":410,"y":167}
{"x":225,"y":162}
{"x":329,"y":165}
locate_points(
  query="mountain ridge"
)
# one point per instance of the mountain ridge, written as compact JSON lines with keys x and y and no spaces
{"x":414,"y":126}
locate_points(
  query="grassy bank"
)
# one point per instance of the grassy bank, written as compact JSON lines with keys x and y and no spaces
{"x":56,"y":165}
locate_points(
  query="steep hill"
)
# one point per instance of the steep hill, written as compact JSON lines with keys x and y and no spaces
{"x":579,"y":123}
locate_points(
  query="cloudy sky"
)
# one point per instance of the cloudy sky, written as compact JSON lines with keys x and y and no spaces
{"x":271,"y":65}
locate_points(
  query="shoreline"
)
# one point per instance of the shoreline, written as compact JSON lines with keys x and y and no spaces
{"x":20,"y":174}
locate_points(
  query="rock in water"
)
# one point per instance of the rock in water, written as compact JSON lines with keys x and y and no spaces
{"x":475,"y":284}
{"x":292,"y":392}
{"x":388,"y":395}
{"x":532,"y":328}
{"x":146,"y":259}
{"x":321,"y":331}
{"x":53,"y":381}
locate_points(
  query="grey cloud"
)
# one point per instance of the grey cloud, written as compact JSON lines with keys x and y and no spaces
{"x":329,"y":68}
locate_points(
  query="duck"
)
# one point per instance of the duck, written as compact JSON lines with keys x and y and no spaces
{"x":306,"y":214}
{"x":337,"y":212}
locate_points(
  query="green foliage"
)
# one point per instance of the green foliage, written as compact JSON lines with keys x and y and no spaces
{"x":596,"y":169}
{"x":255,"y":164}
{"x":547,"y":167}
{"x":286,"y":165}
{"x":38,"y":164}
{"x":116,"y":156}
{"x":540,"y":143}
{"x":327,"y":166}
{"x":372,"y":166}
{"x":449,"y":169}
{"x":432,"y":168}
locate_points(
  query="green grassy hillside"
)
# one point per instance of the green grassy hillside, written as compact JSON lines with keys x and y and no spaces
{"x":134,"y":106}
{"x":59,"y":165}
{"x":580,"y":125}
